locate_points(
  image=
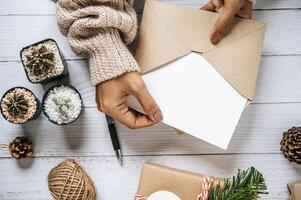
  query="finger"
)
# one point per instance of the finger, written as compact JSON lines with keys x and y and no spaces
{"x":244,"y":14}
{"x":218,"y":4}
{"x":148,"y":104}
{"x":131,"y":118}
{"x":246,"y":10}
{"x":222,"y":23}
{"x":208,"y":6}
{"x":97,"y":99}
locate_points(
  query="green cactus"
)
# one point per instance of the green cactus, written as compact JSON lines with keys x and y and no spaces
{"x":17,"y":104}
{"x":62,"y":106}
{"x":41,"y":61}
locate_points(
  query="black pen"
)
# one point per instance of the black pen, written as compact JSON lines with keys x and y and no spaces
{"x":114,"y":138}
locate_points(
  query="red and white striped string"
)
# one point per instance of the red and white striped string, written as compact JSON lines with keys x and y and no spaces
{"x":139,"y":197}
{"x":207,"y":184}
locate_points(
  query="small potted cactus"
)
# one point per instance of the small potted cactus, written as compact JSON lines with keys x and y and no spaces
{"x":62,"y":104}
{"x":43,"y":62}
{"x":19,"y":105}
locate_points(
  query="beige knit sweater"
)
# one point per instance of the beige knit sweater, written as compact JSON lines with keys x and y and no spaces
{"x":100,"y":30}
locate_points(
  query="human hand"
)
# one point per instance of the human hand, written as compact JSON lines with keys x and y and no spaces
{"x":111,"y":98}
{"x":228,"y":9}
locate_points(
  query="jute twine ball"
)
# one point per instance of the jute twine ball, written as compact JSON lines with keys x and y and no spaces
{"x":69,"y":181}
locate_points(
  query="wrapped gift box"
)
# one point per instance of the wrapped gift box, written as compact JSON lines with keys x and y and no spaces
{"x":295,"y":190}
{"x":186,"y":185}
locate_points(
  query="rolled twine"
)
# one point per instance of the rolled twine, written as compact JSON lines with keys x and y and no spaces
{"x":69,"y":181}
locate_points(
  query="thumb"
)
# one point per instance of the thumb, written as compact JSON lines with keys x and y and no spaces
{"x":223,"y":22}
{"x":149,"y":105}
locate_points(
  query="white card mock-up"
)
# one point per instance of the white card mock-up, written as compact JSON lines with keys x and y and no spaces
{"x":196,"y":99}
{"x":163,"y":195}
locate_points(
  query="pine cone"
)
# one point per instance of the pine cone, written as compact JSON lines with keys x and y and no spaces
{"x":21,"y":148}
{"x":291,"y":145}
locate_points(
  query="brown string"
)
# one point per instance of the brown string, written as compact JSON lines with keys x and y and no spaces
{"x":4,"y":146}
{"x":69,"y":181}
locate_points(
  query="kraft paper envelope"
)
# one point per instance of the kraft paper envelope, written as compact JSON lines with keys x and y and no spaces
{"x":186,"y":185}
{"x":201,"y":88}
{"x":295,"y":190}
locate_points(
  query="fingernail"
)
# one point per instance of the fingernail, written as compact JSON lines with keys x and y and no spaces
{"x":158,"y":116}
{"x":216,"y":37}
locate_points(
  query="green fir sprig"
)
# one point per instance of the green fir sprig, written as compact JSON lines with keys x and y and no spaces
{"x":246,"y":185}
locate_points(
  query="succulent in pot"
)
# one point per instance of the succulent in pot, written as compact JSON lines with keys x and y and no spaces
{"x":20,"y":105}
{"x":62,"y":104}
{"x":43,"y":62}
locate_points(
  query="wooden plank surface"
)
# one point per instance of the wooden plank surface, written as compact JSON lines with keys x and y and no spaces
{"x":256,"y":140}
{"x":113,"y":182}
{"x":278,"y":79}
{"x":259,"y":131}
{"x":282,"y":38}
{"x":47,"y":7}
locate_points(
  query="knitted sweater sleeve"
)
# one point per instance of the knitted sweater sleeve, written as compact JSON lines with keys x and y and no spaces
{"x":100,"y":30}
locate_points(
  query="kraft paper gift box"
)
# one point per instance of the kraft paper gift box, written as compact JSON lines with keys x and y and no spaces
{"x":201,"y":88}
{"x":186,"y":185}
{"x":295,"y":190}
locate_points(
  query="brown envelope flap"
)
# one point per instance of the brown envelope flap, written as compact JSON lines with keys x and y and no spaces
{"x":238,"y":62}
{"x":169,"y":31}
{"x":295,"y":190}
{"x":154,"y":178}
{"x":157,"y":42}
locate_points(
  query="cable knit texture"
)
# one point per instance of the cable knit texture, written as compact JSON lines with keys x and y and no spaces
{"x":100,"y":30}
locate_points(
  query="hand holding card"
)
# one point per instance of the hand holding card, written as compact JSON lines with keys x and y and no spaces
{"x":194,"y":98}
{"x":201,"y":88}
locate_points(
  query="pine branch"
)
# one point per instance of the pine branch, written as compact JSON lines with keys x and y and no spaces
{"x":246,"y":185}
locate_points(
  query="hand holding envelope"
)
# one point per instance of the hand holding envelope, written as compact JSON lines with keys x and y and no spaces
{"x":201,"y":88}
{"x":227,"y":9}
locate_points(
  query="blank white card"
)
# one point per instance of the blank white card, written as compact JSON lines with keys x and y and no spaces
{"x":195,"y":99}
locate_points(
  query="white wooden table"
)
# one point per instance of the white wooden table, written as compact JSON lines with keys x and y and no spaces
{"x":277,"y":107}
